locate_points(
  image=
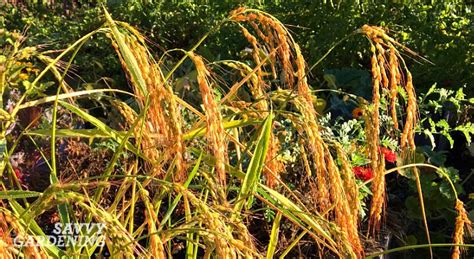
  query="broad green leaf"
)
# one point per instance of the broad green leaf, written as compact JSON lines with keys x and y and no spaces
{"x":448,"y":137}
{"x":467,"y":130}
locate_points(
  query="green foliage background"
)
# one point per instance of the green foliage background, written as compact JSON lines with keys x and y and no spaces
{"x":441,"y":31}
{"x":438,"y":30}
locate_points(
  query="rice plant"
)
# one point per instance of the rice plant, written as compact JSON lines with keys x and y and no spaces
{"x":193,"y":178}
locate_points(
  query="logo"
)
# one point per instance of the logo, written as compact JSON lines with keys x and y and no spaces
{"x":67,"y":235}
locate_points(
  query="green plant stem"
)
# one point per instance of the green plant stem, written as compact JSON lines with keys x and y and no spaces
{"x":43,"y":73}
{"x":293,"y":244}
{"x":330,"y":50}
{"x":180,"y":62}
{"x":422,"y":207}
{"x":420,"y":165}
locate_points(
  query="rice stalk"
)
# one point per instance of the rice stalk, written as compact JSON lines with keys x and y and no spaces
{"x":215,"y":129}
{"x":273,"y":33}
{"x":277,"y":35}
{"x":350,"y":186}
{"x":408,"y":135}
{"x":162,"y":117}
{"x":373,"y":133}
{"x":6,"y":240}
{"x":380,"y":43}
{"x":463,"y":225}
{"x":9,"y":225}
{"x":258,"y":87}
{"x":155,"y":243}
{"x":219,"y":235}
{"x":394,"y":72}
{"x":273,"y":167}
{"x":274,"y":236}
{"x":342,"y":209}
{"x":422,"y":207}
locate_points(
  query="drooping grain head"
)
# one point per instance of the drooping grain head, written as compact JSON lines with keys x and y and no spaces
{"x":215,"y":129}
{"x":387,"y":73}
{"x":408,"y":135}
{"x":342,"y":208}
{"x":372,"y":125}
{"x":5,"y":237}
{"x":162,"y":119}
{"x":11,"y":225}
{"x":273,"y":167}
{"x":463,"y":225}
{"x":218,"y":236}
{"x":259,"y":88}
{"x":382,"y":64}
{"x":350,"y":185}
{"x":274,"y":35}
{"x":378,"y":36}
{"x":394,"y":75}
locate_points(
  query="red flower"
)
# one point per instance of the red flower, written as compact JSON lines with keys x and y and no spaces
{"x":389,"y":155}
{"x":363,"y":173}
{"x":19,"y":175}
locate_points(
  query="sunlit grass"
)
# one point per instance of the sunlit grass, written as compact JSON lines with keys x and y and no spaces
{"x":195,"y":192}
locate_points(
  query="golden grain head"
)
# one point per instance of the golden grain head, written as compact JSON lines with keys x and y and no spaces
{"x":215,"y":129}
{"x":463,"y":225}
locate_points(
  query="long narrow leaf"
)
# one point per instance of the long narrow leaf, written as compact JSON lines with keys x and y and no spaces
{"x":310,"y":220}
{"x":178,"y":197}
{"x":115,"y":135}
{"x":126,"y":53}
{"x":274,"y":236}
{"x":18,"y":194}
{"x":256,"y":165}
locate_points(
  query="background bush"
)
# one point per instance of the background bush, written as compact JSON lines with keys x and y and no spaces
{"x":440,"y":31}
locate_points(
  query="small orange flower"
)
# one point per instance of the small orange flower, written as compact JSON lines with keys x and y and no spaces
{"x":23,"y":76}
{"x":357,"y":112}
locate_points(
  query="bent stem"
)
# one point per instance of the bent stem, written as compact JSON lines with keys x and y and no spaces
{"x":439,"y":170}
{"x":420,"y":195}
